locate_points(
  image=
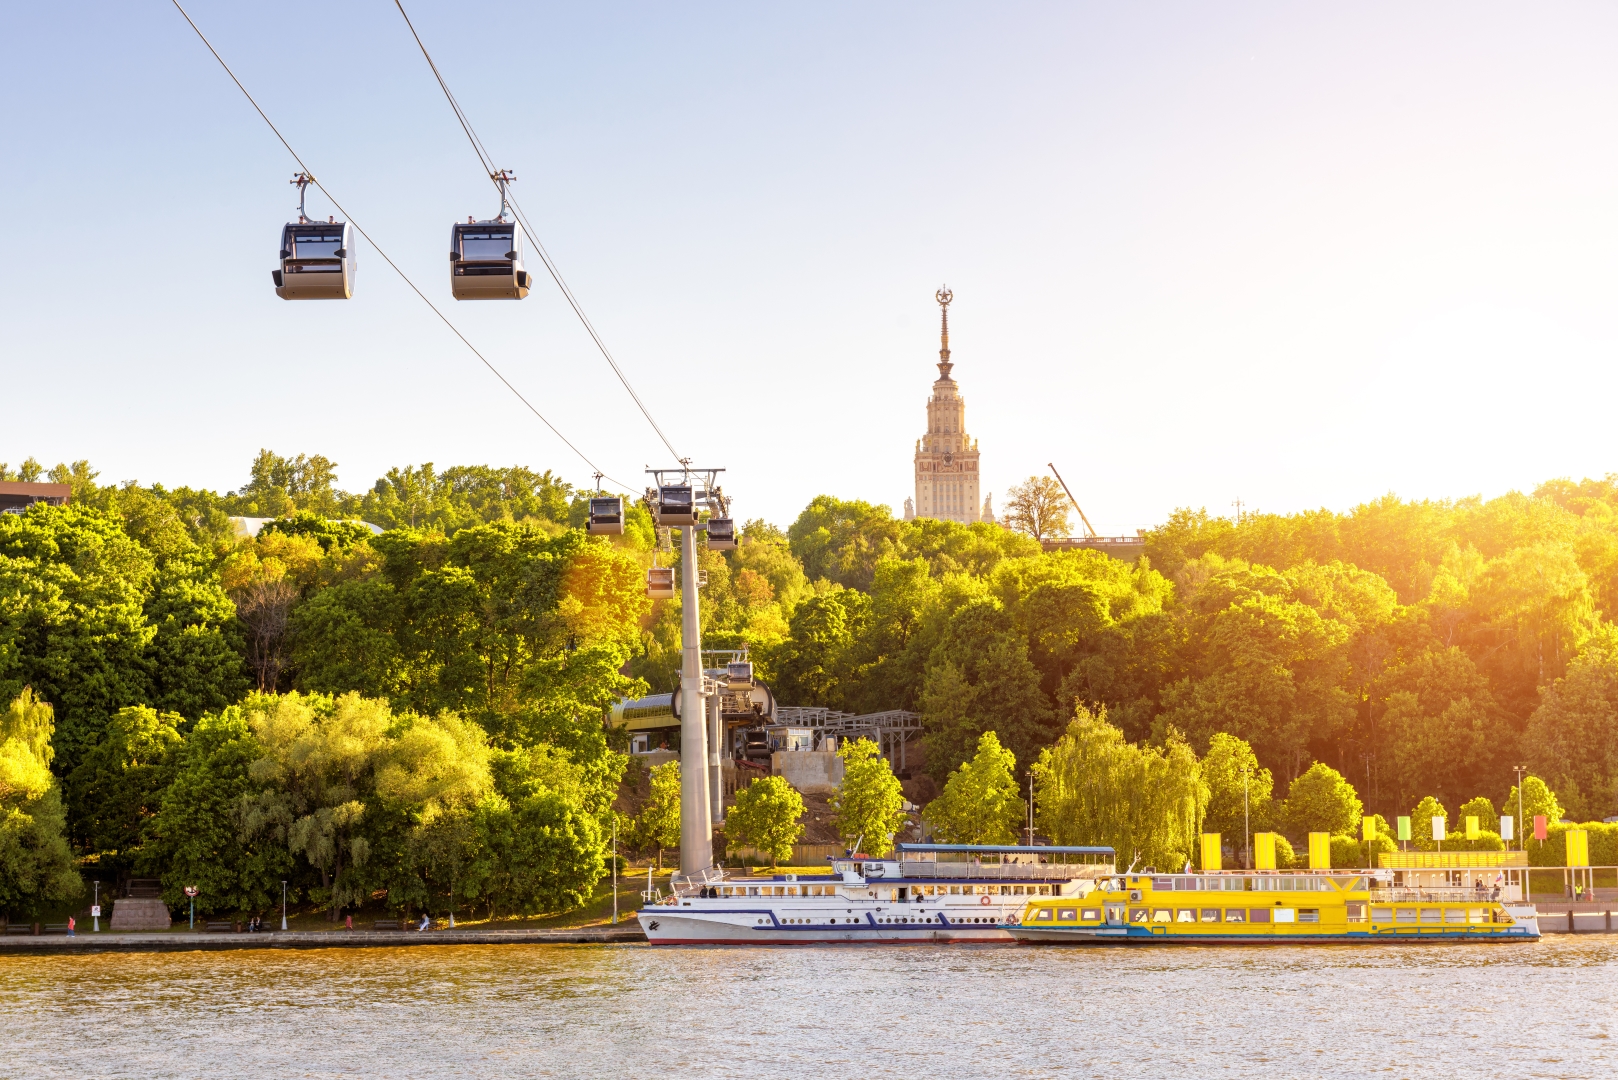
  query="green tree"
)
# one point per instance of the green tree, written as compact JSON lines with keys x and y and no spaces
{"x":1572,"y":737}
{"x":1322,"y":801}
{"x":869,"y":802}
{"x":980,"y":803}
{"x":1443,"y":730}
{"x":841,"y":541}
{"x":1147,"y":803}
{"x":978,"y":678}
{"x":37,"y":869}
{"x":658,"y":823}
{"x":120,"y":783}
{"x":1537,"y":800}
{"x":199,"y":836}
{"x":1421,"y":822}
{"x":1038,"y":506}
{"x":1239,"y":790}
{"x":766,"y":817}
{"x":1482,"y":809}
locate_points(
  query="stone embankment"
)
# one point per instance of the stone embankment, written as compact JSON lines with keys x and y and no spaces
{"x":87,"y":941}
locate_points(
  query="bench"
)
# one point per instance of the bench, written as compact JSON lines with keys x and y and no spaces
{"x":19,"y":928}
{"x":393,"y":924}
{"x":221,"y":926}
{"x":55,"y":928}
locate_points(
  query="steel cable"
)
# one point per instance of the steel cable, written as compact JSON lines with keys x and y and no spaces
{"x":396,"y":269}
{"x":487,"y":161}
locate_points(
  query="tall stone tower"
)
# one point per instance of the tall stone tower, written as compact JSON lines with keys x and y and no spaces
{"x":947,"y":457}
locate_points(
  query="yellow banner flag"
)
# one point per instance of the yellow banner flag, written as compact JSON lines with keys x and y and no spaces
{"x":1578,"y":847}
{"x":1368,"y":829}
{"x":1471,"y":827}
{"x":1319,"y":851}
{"x":1264,"y":851}
{"x":1211,"y":855}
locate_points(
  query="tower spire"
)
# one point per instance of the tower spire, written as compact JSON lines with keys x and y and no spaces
{"x":944,"y":296}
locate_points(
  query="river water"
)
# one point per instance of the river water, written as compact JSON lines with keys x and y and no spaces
{"x":1544,"y":1009}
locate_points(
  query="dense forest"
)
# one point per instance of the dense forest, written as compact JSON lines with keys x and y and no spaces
{"x":416,"y":712}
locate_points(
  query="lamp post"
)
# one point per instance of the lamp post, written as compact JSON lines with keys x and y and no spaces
{"x":283,"y":905}
{"x":1247,"y":825}
{"x":95,"y":910}
{"x":191,"y":891}
{"x":615,"y":868}
{"x":1522,"y":835}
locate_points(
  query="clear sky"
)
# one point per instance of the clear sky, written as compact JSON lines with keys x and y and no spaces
{"x":1300,"y":255}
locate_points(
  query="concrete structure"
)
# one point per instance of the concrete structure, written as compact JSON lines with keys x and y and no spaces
{"x":1124,"y":548}
{"x":139,"y":913}
{"x":16,"y":497}
{"x":946,"y":457}
{"x":813,"y":772}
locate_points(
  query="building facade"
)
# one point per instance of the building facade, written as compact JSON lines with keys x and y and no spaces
{"x":947,"y":478}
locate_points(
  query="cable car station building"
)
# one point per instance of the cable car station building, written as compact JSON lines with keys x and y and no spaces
{"x":947,"y":478}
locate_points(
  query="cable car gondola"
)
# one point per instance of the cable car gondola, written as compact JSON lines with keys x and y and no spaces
{"x":317,"y":258}
{"x":739,"y":675}
{"x":606,"y":516}
{"x":485,"y":257}
{"x":675,"y":505}
{"x":660,"y":583}
{"x":721,"y":533}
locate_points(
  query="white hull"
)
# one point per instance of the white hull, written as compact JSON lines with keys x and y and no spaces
{"x":690,"y":926}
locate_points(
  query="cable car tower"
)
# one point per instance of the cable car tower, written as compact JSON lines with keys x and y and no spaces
{"x":677,"y":499}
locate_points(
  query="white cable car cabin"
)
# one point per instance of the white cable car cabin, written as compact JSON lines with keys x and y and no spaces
{"x":675,"y":505}
{"x":485,"y":261}
{"x":317,"y":261}
{"x":660,"y":583}
{"x":721,"y":533}
{"x":739,"y":675}
{"x":606,"y":516}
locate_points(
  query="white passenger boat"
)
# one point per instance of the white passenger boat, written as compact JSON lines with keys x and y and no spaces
{"x":922,"y":893}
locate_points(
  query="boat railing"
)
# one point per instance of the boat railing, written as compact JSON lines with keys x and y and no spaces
{"x":692,"y":884}
{"x":918,"y":868}
{"x":1446,"y":895}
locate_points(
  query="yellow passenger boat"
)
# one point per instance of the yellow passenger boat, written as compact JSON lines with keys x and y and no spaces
{"x":1266,"y":907}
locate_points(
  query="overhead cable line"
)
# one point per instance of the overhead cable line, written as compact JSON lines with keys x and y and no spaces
{"x":487,"y":161}
{"x":405,"y":277}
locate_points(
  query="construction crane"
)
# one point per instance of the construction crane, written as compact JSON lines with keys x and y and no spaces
{"x":1089,"y":530}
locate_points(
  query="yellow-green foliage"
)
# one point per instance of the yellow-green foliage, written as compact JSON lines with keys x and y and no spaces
{"x":980,"y":803}
{"x":1095,"y":787}
{"x":766,"y":817}
{"x":869,"y":802}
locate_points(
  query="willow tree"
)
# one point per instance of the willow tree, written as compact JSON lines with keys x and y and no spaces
{"x":1095,"y":787}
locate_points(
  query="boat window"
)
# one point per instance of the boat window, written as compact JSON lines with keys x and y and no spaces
{"x":1016,"y":890}
{"x":1235,"y":914}
{"x":1431,"y":914}
{"x":1455,"y":915}
{"x":1210,"y":914}
{"x":1381,"y":914}
{"x":1185,"y":883}
{"x":1089,"y":914}
{"x":1162,"y":883}
{"x":1285,"y":914}
{"x":1138,"y":914}
{"x":1309,"y":914}
{"x":1258,"y":915}
{"x":1044,"y":890}
{"x":1005,"y":890}
{"x":1477,"y":915}
{"x":1404,"y":914}
{"x":1162,"y":914}
{"x":1354,"y":912}
{"x":1044,"y":915}
{"x":485,"y":244}
{"x":1186,"y":914}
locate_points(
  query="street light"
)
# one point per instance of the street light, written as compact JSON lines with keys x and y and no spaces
{"x":1521,"y":839}
{"x":95,"y":909}
{"x":191,"y":891}
{"x":283,"y":905}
